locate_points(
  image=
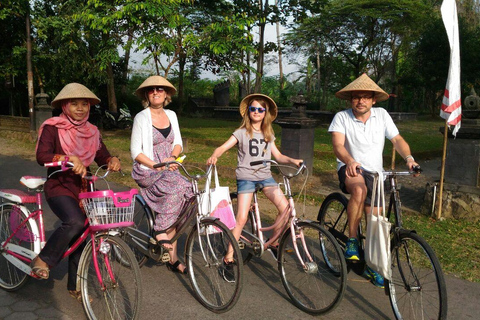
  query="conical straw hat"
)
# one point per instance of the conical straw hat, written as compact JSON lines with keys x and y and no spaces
{"x":74,"y":91}
{"x":155,"y":81}
{"x":272,"y":106}
{"x":362,"y":83}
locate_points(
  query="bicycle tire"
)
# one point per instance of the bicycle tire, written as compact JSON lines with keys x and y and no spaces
{"x":119,"y":298}
{"x":212,"y":238}
{"x":12,"y":278}
{"x":315,"y":289}
{"x":417,"y":289}
{"x":143,"y":221}
{"x":333,"y":217}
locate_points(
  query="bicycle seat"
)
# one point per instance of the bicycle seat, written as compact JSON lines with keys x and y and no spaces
{"x":259,"y":187}
{"x":32,"y":182}
{"x":17,"y":196}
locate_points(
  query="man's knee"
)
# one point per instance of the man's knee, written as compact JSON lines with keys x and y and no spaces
{"x":358,"y":191}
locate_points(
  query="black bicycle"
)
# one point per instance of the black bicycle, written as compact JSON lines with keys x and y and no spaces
{"x":417,"y":289}
{"x":207,"y":242}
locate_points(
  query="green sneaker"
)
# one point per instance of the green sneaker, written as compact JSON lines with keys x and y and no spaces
{"x":375,"y":277}
{"x":351,"y":250}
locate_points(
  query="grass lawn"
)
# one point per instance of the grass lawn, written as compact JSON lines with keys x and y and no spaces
{"x":455,"y":242}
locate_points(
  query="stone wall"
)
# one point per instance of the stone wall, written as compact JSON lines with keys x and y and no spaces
{"x":15,"y":127}
{"x":458,"y":202}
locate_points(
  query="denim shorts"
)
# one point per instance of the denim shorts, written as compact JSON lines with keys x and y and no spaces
{"x":247,"y":186}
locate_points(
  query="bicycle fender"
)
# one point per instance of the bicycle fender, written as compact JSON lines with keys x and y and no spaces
{"x":37,"y":246}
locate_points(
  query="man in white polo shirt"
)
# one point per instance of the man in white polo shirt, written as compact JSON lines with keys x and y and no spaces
{"x":358,"y":138}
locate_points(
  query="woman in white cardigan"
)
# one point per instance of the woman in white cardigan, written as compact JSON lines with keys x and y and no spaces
{"x":156,"y":138}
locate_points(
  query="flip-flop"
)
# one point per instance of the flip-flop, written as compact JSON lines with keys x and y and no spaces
{"x":41,"y":272}
{"x":162,"y":242}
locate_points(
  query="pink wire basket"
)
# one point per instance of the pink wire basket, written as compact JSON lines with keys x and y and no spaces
{"x":107,"y":209}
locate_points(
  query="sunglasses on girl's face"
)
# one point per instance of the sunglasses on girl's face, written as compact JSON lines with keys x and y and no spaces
{"x":153,"y":89}
{"x":253,"y":109}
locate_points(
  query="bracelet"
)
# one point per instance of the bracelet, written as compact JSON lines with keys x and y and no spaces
{"x":409,"y":157}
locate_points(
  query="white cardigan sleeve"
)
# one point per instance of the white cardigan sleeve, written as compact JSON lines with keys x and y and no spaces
{"x":141,"y":140}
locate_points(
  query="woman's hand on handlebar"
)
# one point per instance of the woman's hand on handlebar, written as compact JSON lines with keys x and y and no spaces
{"x":78,"y":167}
{"x":297,"y":162}
{"x":171,"y":166}
{"x":114,"y":164}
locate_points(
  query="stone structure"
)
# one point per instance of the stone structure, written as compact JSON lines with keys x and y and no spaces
{"x":298,"y":132}
{"x":221,"y":94}
{"x":461,"y":189}
{"x":43,"y":110}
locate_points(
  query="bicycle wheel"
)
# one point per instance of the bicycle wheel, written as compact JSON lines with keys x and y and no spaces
{"x":333,"y":216}
{"x":313,"y":287}
{"x":246,"y":243}
{"x":206,"y":246}
{"x":143,"y":219}
{"x":417,"y":289}
{"x":12,"y":278}
{"x":121,"y":294}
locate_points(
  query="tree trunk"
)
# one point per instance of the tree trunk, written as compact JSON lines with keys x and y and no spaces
{"x":127,"y":60}
{"x":181,"y":75}
{"x":279,"y":43}
{"x":112,"y":99}
{"x":319,"y":86}
{"x":30,"y":77}
{"x":261,"y":50}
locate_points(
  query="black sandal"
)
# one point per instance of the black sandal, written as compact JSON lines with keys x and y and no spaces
{"x":161,"y":243}
{"x":174,"y":267}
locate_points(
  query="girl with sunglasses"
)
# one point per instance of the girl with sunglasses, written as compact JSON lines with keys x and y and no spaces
{"x":256,"y":141}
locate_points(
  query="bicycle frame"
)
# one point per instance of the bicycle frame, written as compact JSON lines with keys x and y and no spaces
{"x":22,"y":257}
{"x":142,"y":240}
{"x":292,"y":222}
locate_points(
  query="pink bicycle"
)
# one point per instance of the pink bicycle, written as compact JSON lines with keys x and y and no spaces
{"x":108,"y":273}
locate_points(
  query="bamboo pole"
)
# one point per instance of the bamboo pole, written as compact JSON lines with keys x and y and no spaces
{"x":442,"y":171}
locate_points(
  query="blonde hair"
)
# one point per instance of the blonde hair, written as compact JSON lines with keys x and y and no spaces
{"x":266,"y":126}
{"x":146,"y":102}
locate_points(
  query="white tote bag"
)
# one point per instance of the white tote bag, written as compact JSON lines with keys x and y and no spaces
{"x":216,"y":202}
{"x":377,"y":244}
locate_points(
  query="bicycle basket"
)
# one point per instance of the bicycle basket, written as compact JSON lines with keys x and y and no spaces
{"x":107,"y":209}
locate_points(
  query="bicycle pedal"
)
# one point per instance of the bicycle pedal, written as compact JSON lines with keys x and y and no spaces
{"x":165,"y":257}
{"x":241,"y":245}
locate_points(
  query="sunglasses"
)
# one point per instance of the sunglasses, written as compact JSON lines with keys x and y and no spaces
{"x":253,"y":109}
{"x":153,"y":89}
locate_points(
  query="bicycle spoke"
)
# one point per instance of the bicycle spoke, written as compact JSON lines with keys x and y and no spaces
{"x":206,"y":249}
{"x":417,"y":288}
{"x":312,"y":286}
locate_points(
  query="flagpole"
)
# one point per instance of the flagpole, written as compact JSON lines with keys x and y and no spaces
{"x":442,"y":170}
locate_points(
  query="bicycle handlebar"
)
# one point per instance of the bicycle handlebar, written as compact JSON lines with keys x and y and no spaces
{"x":194,"y":177}
{"x":279,"y":166}
{"x":67,"y":165}
{"x":416,"y":170}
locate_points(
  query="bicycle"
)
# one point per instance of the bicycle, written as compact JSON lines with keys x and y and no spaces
{"x":207,"y":242}
{"x":312,"y":286}
{"x":417,"y":289}
{"x":108,"y":274}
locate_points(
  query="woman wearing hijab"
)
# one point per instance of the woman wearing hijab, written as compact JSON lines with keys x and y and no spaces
{"x":72,"y":138}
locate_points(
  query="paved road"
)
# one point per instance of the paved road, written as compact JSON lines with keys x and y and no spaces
{"x":168,"y":295}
